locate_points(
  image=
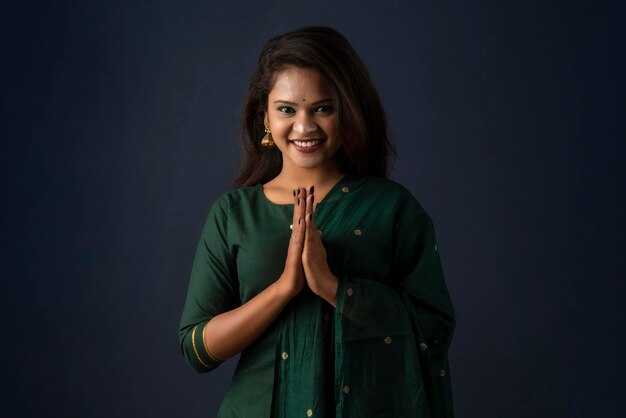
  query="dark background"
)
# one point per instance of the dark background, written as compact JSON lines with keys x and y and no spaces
{"x":121,"y":125}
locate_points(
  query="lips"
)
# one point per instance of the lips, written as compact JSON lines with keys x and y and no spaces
{"x":306,"y":145}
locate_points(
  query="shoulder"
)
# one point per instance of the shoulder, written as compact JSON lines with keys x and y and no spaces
{"x":233,"y":199}
{"x":225,"y":209}
{"x":385,"y":185}
{"x":391,"y":192}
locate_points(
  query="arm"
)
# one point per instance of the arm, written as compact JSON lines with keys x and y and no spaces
{"x":227,"y":334}
{"x":417,"y":291}
{"x":401,"y":328}
{"x":214,"y":325}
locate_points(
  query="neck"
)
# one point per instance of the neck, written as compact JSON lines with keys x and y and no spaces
{"x":305,"y":177}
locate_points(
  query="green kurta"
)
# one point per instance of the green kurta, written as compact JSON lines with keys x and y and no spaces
{"x":381,"y":353}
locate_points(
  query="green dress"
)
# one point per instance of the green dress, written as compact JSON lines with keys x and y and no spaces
{"x":382,"y":352}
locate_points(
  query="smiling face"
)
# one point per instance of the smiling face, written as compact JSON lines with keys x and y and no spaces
{"x":302,"y":113}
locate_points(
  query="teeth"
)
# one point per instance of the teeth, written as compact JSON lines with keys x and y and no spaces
{"x":306,"y":144}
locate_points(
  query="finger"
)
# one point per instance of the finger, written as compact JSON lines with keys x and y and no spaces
{"x":294,"y":218}
{"x":297,"y":230}
{"x":310,"y":222}
{"x":301,"y":209}
{"x":309,"y":206}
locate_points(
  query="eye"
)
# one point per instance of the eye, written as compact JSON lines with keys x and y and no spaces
{"x":325,"y":109}
{"x":285,"y":109}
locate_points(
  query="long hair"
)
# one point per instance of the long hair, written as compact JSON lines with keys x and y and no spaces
{"x":366,"y":146}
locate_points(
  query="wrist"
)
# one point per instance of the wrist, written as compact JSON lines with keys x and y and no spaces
{"x":328,"y":289}
{"x":285,"y":289}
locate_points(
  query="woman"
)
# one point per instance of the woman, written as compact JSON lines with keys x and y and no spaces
{"x":319,"y":270}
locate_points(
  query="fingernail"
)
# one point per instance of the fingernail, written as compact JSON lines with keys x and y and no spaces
{"x":312,"y":189}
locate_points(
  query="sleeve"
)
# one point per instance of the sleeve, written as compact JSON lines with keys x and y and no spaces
{"x":213,"y":289}
{"x":401,"y":330}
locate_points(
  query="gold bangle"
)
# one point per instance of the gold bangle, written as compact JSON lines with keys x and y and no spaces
{"x":193,"y":343}
{"x":207,"y":348}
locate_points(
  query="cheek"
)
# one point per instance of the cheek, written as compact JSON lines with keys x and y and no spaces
{"x":332,"y":127}
{"x":336,"y":133}
{"x":280,"y":129}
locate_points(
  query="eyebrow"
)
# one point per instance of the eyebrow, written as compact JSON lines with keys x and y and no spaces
{"x":311,"y":104}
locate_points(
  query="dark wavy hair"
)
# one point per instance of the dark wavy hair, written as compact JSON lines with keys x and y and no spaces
{"x":366,"y":146}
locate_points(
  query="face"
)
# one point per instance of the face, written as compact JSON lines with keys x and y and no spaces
{"x":302,"y":113}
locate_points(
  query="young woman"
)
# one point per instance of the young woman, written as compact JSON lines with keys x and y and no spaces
{"x":322,"y":272}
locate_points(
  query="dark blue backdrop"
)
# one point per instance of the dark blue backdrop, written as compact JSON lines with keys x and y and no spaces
{"x":122,"y":126}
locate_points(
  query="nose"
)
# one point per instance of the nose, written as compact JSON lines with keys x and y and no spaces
{"x":304,"y":124}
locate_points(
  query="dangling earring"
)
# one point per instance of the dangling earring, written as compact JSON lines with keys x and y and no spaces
{"x":267,"y":140}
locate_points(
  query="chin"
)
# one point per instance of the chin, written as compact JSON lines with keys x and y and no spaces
{"x":308,"y":165}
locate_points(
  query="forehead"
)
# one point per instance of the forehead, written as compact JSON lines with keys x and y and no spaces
{"x":301,"y":83}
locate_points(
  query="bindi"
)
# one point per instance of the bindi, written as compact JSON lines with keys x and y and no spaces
{"x":304,"y":100}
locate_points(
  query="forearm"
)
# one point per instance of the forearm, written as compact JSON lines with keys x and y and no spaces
{"x":229,"y":333}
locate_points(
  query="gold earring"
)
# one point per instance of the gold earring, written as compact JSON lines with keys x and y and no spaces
{"x":267,"y":140}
